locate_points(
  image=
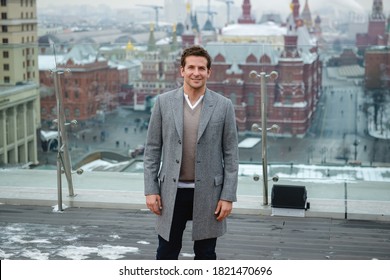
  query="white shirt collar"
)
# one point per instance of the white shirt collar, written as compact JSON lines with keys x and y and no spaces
{"x":189,"y":102}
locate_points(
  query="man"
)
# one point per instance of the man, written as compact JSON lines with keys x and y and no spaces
{"x":191,"y":161}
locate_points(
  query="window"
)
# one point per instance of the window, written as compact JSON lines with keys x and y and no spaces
{"x":4,"y":28}
{"x":251,"y":99}
{"x":67,"y":112}
{"x":3,"y":15}
{"x":3,"y":3}
{"x":5,"y":40}
{"x":233,"y":98}
{"x":6,"y":80}
{"x":6,"y":67}
{"x":5,"y":54}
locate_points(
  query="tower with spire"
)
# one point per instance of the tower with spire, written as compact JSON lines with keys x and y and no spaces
{"x":306,"y":16}
{"x":246,"y":17}
{"x":291,"y":37}
{"x":152,"y":40}
{"x":295,"y":6}
{"x":317,"y":27}
{"x":376,"y":35}
{"x":188,"y":36}
{"x":293,"y":87}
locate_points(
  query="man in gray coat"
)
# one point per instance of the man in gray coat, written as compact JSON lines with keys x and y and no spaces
{"x":191,"y":161}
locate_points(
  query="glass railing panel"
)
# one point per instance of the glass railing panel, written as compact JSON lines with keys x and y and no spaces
{"x":328,"y":105}
{"x":330,"y":110}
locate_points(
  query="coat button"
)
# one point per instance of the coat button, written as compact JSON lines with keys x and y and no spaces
{"x":177,"y":161}
{"x":179,"y":142}
{"x":174,"y":180}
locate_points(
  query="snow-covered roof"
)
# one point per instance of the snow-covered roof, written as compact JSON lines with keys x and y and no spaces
{"x":311,"y":173}
{"x":48,"y":62}
{"x":256,"y":30}
{"x":82,"y":54}
{"x":47,"y":135}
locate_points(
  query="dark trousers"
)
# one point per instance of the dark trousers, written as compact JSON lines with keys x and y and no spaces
{"x":170,"y":250}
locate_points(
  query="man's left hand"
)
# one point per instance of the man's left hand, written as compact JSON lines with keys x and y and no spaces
{"x":224,"y":208}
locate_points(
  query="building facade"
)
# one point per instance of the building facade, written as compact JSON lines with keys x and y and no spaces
{"x":291,"y":99}
{"x":90,"y":86}
{"x":377,"y":68}
{"x":19,"y":89}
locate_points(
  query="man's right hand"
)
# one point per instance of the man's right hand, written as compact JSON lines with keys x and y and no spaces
{"x":153,"y":202}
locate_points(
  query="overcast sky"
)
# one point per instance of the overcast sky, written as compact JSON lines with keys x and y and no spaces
{"x":281,"y":6}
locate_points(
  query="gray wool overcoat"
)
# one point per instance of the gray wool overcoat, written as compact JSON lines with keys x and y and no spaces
{"x":216,"y":167}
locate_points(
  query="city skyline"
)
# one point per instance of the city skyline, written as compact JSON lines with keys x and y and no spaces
{"x":358,"y":6}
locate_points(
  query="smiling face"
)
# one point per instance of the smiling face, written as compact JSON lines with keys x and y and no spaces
{"x":195,"y":74}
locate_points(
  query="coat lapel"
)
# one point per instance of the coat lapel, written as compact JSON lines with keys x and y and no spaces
{"x":207,"y":111}
{"x":177,"y":110}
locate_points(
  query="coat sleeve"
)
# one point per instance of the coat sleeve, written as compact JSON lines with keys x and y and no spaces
{"x":153,"y":149}
{"x":230,"y":155}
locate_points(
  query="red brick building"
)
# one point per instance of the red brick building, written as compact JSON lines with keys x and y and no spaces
{"x":91,"y":86}
{"x":291,"y":99}
{"x":377,"y":68}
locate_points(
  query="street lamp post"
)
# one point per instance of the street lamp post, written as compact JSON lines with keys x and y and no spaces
{"x":263,"y":91}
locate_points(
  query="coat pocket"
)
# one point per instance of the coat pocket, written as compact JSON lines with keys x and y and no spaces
{"x":218,"y":180}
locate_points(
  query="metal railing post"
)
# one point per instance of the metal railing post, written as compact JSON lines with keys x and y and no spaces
{"x":263,"y":93}
{"x":63,"y":157}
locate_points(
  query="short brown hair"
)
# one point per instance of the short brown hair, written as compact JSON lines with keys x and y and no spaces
{"x":195,"y":51}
